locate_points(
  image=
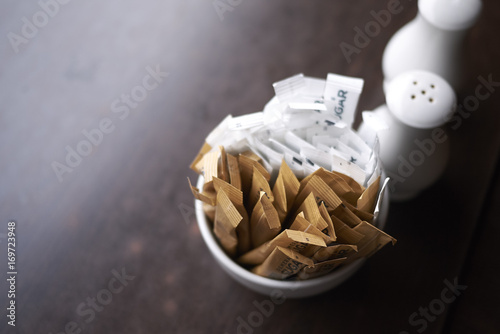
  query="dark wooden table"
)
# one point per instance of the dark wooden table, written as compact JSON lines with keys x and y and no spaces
{"x":108,"y":243}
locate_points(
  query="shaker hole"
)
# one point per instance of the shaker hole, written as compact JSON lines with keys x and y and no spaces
{"x":431,"y":100}
{"x":423,"y":92}
{"x":433,"y":86}
{"x":413,"y":97}
{"x":414,"y":82}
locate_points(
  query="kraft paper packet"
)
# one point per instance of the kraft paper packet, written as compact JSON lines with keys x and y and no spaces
{"x":300,"y":242}
{"x":264,"y":221}
{"x":282,"y":263}
{"x":346,"y":234}
{"x":320,"y":269}
{"x":259,"y":184}
{"x":356,"y":187}
{"x":209,"y":210}
{"x":334,"y":252}
{"x":337,"y":183}
{"x":330,"y":230}
{"x":236,"y":197}
{"x":207,"y":198}
{"x":285,"y":190}
{"x":227,"y":219}
{"x":222,"y":170}
{"x":366,"y":201}
{"x":234,"y":171}
{"x":373,"y":240}
{"x":363,"y":215}
{"x":322,"y":193}
{"x":210,"y":163}
{"x":250,"y":154}
{"x":311,"y":212}
{"x":203,"y":150}
{"x":347,"y":216}
{"x":246,"y":171}
{"x":302,"y":224}
{"x":209,"y":170}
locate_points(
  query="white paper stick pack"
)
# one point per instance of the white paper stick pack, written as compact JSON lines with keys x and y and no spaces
{"x":307,"y":124}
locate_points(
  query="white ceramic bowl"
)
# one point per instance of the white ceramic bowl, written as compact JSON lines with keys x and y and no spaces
{"x":268,"y":286}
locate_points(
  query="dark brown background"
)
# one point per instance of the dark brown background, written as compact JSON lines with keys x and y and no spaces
{"x":122,"y":206}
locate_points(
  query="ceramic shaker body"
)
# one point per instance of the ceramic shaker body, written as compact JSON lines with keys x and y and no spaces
{"x":432,"y":41}
{"x":414,"y":148}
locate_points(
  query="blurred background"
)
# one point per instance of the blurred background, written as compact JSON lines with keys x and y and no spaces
{"x":105,"y":104}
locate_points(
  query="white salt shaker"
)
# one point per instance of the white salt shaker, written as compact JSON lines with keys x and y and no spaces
{"x":414,"y":149}
{"x":433,"y":40}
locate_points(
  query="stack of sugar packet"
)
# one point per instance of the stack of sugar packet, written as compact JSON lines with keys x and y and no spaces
{"x":292,"y":191}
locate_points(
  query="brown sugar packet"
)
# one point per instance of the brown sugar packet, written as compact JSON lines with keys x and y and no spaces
{"x":246,"y":171}
{"x":302,"y":224}
{"x":227,"y":219}
{"x":210,"y":163}
{"x":205,"y":197}
{"x":236,"y":197}
{"x":320,"y":269}
{"x":374,"y":239}
{"x":222,"y":167}
{"x":311,"y":212}
{"x":259,"y":184}
{"x":336,"y":183}
{"x":285,"y":190}
{"x":356,"y":187}
{"x":322,"y":193}
{"x":210,"y":169}
{"x":234,"y":171}
{"x":195,"y":164}
{"x":363,"y":215}
{"x":209,"y":211}
{"x":303,"y":243}
{"x":250,"y":154}
{"x":282,"y":263}
{"x":334,"y":252}
{"x":343,"y":213}
{"x":366,"y":201}
{"x":264,"y":221}
{"x":330,"y":230}
{"x":346,"y":234}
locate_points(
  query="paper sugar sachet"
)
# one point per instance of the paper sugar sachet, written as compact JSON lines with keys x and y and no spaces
{"x":302,"y":224}
{"x":264,"y":221}
{"x":373,"y":240}
{"x":282,"y":263}
{"x":362,"y":215}
{"x":227,"y":219}
{"x":234,"y":171}
{"x":345,"y":233}
{"x":343,"y":213}
{"x":304,"y":243}
{"x":310,"y":209}
{"x":338,"y":184}
{"x":322,"y":193}
{"x":330,"y":230}
{"x":285,"y":190}
{"x":209,"y":169}
{"x":334,"y":252}
{"x":236,"y":197}
{"x":366,"y":202}
{"x":259,"y":184}
{"x":247,"y":165}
